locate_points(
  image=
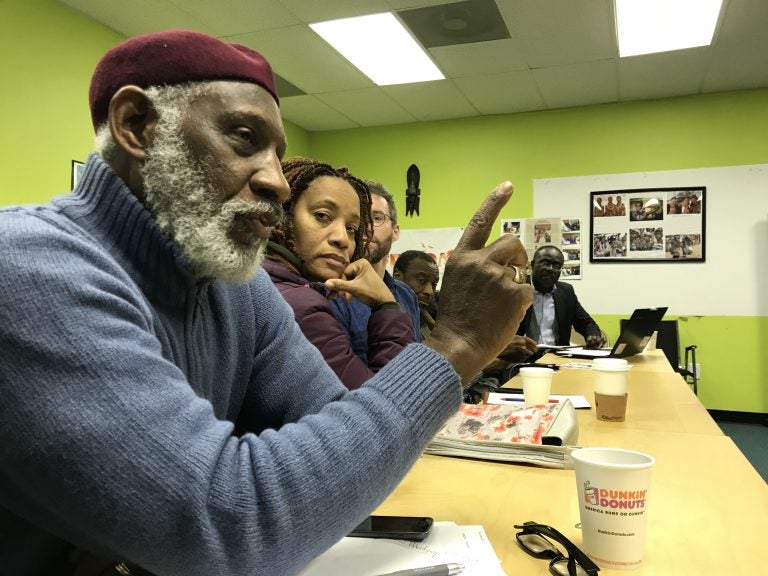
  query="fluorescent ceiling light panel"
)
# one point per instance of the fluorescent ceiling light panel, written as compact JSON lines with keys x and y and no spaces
{"x":380,"y":47}
{"x":648,"y":26}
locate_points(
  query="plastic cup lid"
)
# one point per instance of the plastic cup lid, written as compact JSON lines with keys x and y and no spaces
{"x":536,"y":370}
{"x":611,"y":364}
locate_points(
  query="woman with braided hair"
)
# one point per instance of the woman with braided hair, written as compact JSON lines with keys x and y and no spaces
{"x":316,"y":253}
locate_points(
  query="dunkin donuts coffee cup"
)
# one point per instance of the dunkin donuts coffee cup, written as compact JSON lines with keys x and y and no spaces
{"x":609,"y":376}
{"x":612,"y":487}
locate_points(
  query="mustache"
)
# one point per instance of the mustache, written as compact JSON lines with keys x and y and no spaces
{"x":237,"y":208}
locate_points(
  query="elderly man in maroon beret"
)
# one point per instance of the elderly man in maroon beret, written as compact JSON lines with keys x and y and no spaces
{"x":160,"y":410}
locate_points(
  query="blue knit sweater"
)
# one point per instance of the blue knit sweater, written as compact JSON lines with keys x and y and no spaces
{"x":120,"y":380}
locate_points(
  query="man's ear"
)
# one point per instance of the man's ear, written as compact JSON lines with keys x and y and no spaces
{"x":132,"y":119}
{"x":396,"y":274}
{"x":395,"y":232}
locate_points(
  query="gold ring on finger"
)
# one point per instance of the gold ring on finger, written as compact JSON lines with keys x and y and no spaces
{"x":520,"y":275}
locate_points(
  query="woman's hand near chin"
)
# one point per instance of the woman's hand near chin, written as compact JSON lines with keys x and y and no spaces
{"x":363,"y":282}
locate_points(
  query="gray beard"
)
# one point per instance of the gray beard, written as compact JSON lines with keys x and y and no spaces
{"x":186,"y":206}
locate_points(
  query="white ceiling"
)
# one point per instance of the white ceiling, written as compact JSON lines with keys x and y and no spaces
{"x":561,"y":54}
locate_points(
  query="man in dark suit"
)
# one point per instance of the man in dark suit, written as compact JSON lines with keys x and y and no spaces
{"x":556,"y":308}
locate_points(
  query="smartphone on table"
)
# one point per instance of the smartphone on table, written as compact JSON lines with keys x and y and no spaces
{"x":414,"y":528}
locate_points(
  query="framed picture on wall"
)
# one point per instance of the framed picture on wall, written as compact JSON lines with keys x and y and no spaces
{"x":647,"y":225}
{"x":77,"y":172}
{"x":565,"y":233}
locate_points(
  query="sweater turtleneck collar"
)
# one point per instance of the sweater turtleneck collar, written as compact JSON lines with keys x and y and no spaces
{"x":105,"y":207}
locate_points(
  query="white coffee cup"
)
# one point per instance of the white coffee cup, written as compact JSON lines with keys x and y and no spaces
{"x":537,"y":382}
{"x":610,"y":376}
{"x":612,"y":487}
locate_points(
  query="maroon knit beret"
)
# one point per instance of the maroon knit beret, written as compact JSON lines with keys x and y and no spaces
{"x":173,"y":57}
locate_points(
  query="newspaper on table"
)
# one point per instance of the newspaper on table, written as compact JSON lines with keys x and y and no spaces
{"x":538,"y":435}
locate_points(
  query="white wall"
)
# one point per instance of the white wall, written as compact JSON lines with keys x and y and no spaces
{"x":733,"y":281}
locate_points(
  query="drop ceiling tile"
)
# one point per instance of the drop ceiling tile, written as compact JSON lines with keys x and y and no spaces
{"x":305,"y":60}
{"x":311,"y":11}
{"x":578,"y":84}
{"x":479,"y":58}
{"x":405,"y":4}
{"x":502,"y":93}
{"x":313,"y":115}
{"x":367,"y":107}
{"x":740,"y":54}
{"x":742,"y":19}
{"x":557,"y":32}
{"x":238,"y":16}
{"x":285,"y":88}
{"x":738,"y":66}
{"x":663,"y":75}
{"x":438,"y":100}
{"x":139,"y":16}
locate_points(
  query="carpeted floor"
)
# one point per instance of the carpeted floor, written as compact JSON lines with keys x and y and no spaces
{"x":752,"y":440}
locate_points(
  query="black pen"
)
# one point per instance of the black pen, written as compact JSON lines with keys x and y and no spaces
{"x":553,"y":366}
{"x":439,"y":570}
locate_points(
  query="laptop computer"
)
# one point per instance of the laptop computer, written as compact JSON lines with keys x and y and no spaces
{"x":632,"y":340}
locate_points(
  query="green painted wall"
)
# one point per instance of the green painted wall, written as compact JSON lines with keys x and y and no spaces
{"x":461,"y":160}
{"x":731,"y":379}
{"x":49,"y":52}
{"x":298,"y":140}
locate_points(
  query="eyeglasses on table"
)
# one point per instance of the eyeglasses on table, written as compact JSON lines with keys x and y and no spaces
{"x":535,"y":539}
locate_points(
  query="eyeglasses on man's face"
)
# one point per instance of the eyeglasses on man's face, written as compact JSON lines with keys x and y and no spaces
{"x":379,"y":218}
{"x":536,"y":540}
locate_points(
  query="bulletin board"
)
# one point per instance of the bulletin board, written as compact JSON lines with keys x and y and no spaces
{"x":565,"y":233}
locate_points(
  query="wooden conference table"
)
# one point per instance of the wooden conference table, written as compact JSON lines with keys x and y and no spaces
{"x":707,"y":508}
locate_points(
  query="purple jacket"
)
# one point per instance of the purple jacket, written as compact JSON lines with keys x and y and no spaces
{"x":389,"y":331}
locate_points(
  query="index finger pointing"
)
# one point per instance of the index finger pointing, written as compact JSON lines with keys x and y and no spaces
{"x":479,"y":228}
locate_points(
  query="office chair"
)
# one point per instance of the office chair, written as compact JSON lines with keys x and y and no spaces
{"x":686,"y":374}
{"x":668,"y":340}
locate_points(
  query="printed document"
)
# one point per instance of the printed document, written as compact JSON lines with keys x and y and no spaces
{"x":446,"y":543}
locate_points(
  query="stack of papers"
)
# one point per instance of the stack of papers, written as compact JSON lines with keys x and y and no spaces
{"x":446,"y":543}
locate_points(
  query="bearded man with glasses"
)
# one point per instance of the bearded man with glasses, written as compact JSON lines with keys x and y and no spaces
{"x":354,"y":315}
{"x":556,"y":308}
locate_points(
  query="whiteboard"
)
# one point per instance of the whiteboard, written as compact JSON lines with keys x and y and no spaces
{"x":733,"y":281}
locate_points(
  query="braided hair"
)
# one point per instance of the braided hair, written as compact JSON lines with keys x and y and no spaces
{"x":300,"y":173}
